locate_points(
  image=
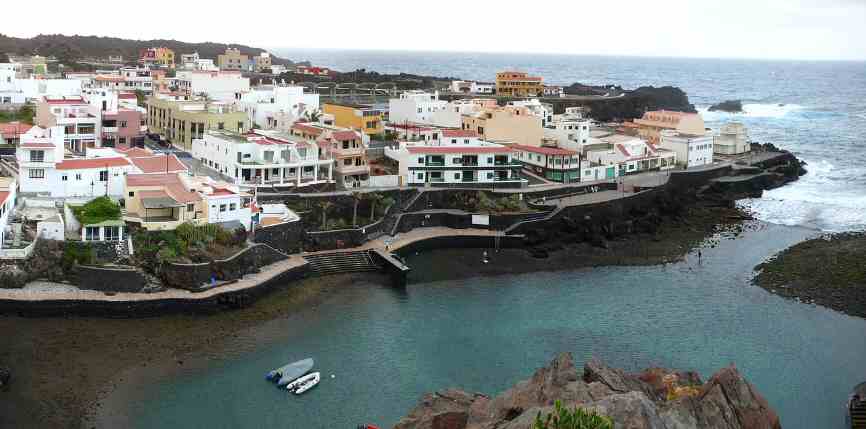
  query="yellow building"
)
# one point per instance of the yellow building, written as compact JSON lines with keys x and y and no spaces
{"x":518,"y":84}
{"x":654,"y":122}
{"x":515,"y":124}
{"x":162,"y":202}
{"x":363,"y":118}
{"x":161,"y":56}
{"x":181,"y":121}
{"x":234,"y":60}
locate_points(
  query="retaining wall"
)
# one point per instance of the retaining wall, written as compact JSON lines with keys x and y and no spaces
{"x":193,"y":276}
{"x":108,"y":279}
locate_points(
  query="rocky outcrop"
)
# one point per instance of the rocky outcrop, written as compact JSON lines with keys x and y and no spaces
{"x":5,"y":378}
{"x":730,"y":106}
{"x":12,"y":277}
{"x":656,"y":398}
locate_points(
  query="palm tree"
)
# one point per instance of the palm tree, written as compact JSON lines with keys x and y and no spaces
{"x":324,"y":205}
{"x":312,"y":116}
{"x":374,"y":198}
{"x":357,"y":197}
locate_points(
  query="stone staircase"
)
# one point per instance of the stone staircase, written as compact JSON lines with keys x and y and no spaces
{"x":344,"y":262}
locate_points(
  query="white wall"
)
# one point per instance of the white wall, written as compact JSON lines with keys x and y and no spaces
{"x":415,"y":107}
{"x":77,"y":183}
{"x":240,"y":213}
{"x":218,"y":86}
{"x":691,"y":151}
{"x":46,"y":230}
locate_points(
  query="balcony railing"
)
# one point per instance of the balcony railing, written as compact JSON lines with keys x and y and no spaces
{"x":435,"y":179}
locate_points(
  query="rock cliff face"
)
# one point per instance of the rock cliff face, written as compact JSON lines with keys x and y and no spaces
{"x":653,"y":399}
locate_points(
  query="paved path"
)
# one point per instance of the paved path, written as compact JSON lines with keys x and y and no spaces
{"x":417,"y":234}
{"x":47,"y":291}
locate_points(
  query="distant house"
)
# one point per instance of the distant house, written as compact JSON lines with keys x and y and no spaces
{"x":10,"y":133}
{"x":732,"y":139}
{"x":81,"y":223}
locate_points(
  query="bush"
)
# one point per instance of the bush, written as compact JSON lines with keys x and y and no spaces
{"x":97,"y":210}
{"x":75,"y":253}
{"x":563,"y":418}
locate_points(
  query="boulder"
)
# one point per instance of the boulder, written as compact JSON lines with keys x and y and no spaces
{"x":640,"y":401}
{"x":12,"y":277}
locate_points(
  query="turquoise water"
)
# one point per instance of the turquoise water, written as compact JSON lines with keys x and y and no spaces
{"x":386,"y":347}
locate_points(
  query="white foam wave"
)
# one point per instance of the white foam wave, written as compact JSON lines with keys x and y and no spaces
{"x":818,"y":200}
{"x":753,"y":110}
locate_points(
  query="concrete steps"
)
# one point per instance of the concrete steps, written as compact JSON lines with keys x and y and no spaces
{"x":344,"y":262}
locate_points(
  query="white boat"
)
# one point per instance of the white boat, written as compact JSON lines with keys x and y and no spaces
{"x":304,"y":383}
{"x":286,"y":374}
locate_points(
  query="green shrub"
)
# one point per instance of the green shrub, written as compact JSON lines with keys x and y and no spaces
{"x":75,"y":253}
{"x":563,"y":418}
{"x":97,"y":210}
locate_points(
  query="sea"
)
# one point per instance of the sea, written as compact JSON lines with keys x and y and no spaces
{"x":379,"y":348}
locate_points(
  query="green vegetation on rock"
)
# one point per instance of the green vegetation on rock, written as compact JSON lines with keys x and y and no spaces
{"x":578,"y":418}
{"x":24,"y":114}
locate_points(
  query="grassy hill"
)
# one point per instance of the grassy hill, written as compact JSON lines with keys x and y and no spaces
{"x":71,"y":49}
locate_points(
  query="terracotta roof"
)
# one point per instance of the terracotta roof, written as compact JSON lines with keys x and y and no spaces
{"x":344,"y":135}
{"x":307,"y":128}
{"x":13,"y":129}
{"x":37,"y":145}
{"x":89,"y":163}
{"x":77,"y":100}
{"x":543,"y":150}
{"x":170,"y":182}
{"x":457,"y":149}
{"x":3,"y":196}
{"x":135,"y":152}
{"x":222,"y":192}
{"x":159,"y":164}
{"x":459,"y":133}
{"x":126,"y":95}
{"x":623,"y":150}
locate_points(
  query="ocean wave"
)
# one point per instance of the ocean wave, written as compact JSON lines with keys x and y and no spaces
{"x":826,"y":199}
{"x":753,"y":110}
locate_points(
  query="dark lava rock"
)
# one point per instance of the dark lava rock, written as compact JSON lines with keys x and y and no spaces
{"x":5,"y":378}
{"x":730,"y":106}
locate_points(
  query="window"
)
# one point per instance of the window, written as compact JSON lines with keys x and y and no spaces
{"x":131,"y":194}
{"x":347,"y":161}
{"x":457,"y":161}
{"x":64,"y":177}
{"x":122,"y":124}
{"x":91,"y":233}
{"x":222,"y":207}
{"x":490,"y":160}
{"x":221,"y":125}
{"x":112,"y":233}
{"x":190,"y":208}
{"x":456,"y":176}
{"x":37,"y":155}
{"x":232,"y":207}
{"x":420,"y":176}
{"x":77,"y":176}
{"x":37,"y":173}
{"x":489,"y":175}
{"x":103,"y":176}
{"x":421,"y":160}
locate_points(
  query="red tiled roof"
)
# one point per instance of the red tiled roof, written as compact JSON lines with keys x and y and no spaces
{"x":170,"y":182}
{"x":307,"y":128}
{"x":3,"y":196}
{"x":37,"y":145}
{"x":126,"y":95}
{"x":459,"y":133}
{"x":89,"y":163}
{"x":135,"y":152}
{"x":13,"y":129}
{"x":344,"y":135}
{"x":623,"y":150}
{"x":159,"y":164}
{"x":70,"y":100}
{"x":457,"y":149}
{"x":543,"y":150}
{"x":222,"y":192}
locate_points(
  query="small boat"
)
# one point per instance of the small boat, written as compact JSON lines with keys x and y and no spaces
{"x":288,"y":373}
{"x":304,"y":383}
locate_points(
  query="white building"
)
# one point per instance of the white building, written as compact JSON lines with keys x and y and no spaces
{"x":452,"y":115}
{"x":14,"y":90}
{"x":226,"y":202}
{"x":277,"y":107}
{"x":43,"y":170}
{"x":7,"y":205}
{"x":552,"y":163}
{"x":218,"y":85}
{"x":733,"y":139}
{"x":693,"y":150}
{"x":537,"y":108}
{"x":570,"y":130}
{"x":263,"y":158}
{"x":127,"y":79}
{"x":194,"y":62}
{"x":630,"y":155}
{"x":415,"y":107}
{"x":470,"y":87}
{"x":80,"y":122}
{"x":278,"y":69}
{"x":459,"y":158}
{"x":554,"y":91}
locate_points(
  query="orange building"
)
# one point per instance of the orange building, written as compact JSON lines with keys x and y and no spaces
{"x":654,"y":122}
{"x":518,"y":84}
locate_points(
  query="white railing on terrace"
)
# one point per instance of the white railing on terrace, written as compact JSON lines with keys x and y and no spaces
{"x":18,"y":253}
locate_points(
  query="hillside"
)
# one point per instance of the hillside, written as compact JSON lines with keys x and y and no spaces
{"x":75,"y":48}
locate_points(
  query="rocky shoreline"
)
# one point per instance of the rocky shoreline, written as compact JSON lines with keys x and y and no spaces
{"x":656,"y":398}
{"x":828,"y":271}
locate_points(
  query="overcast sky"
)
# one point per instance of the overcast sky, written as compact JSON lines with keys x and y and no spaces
{"x":772,"y":29}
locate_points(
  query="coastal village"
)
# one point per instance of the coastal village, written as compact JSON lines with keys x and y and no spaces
{"x":182,"y":175}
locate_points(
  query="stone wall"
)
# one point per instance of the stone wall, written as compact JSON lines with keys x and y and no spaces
{"x":286,"y":237}
{"x":108,"y":279}
{"x":194,"y":276}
